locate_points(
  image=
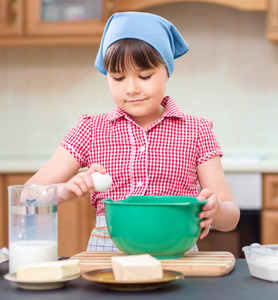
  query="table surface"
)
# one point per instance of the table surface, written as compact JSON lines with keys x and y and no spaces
{"x":236,"y":285}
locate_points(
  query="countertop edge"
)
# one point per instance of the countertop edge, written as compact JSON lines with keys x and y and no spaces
{"x":8,"y":166}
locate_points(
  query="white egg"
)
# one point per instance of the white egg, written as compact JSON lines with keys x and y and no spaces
{"x":102,"y":182}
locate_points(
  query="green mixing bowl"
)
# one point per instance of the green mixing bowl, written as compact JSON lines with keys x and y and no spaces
{"x":163,"y":226}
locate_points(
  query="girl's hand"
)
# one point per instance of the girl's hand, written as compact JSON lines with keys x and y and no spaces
{"x":209,"y":210}
{"x":79,"y":186}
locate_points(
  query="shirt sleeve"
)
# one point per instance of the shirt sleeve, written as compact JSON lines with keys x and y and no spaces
{"x":78,"y":140}
{"x":207,"y":145}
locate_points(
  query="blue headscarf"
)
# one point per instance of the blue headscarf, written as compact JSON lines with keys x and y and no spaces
{"x":150,"y":28}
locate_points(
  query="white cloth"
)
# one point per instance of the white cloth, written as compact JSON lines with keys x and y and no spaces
{"x":100,"y":239}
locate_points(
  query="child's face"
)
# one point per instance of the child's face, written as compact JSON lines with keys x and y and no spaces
{"x":139,"y":92}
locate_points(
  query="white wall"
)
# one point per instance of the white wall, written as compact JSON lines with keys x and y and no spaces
{"x":230,"y":75}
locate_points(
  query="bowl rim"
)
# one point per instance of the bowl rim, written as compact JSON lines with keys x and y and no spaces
{"x":185,"y":203}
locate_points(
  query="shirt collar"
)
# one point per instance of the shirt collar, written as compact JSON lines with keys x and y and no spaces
{"x":171,"y":110}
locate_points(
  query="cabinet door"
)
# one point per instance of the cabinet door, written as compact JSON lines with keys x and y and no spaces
{"x":238,"y":4}
{"x":272,"y":20}
{"x":270,"y":191}
{"x":221,"y":241}
{"x":269,"y":228}
{"x":76,"y":219}
{"x":10,"y":18}
{"x":66,"y":18}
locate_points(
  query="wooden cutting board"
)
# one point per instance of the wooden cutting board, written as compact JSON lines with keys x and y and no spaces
{"x":192,"y":264}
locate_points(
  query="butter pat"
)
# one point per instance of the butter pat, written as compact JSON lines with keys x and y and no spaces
{"x":49,"y":270}
{"x":136,"y":268}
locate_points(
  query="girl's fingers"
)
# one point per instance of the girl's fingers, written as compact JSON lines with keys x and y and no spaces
{"x":206,"y":222}
{"x":206,"y":214}
{"x":81,"y":185}
{"x":96,"y":168}
{"x":204,"y":194}
{"x":77,"y":191}
{"x":204,"y":232}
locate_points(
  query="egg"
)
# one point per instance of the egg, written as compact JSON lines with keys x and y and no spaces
{"x":102,"y":182}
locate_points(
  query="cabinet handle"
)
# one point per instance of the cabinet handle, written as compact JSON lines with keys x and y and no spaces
{"x":14,"y":8}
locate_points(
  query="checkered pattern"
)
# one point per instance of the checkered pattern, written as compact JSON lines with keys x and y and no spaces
{"x":100,"y":239}
{"x":159,"y":161}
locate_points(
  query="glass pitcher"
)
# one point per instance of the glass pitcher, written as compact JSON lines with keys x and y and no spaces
{"x":32,"y":224}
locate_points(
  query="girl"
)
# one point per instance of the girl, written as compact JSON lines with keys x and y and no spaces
{"x":146,"y":143}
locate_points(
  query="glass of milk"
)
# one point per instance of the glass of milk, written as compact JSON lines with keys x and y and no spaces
{"x":32,"y":224}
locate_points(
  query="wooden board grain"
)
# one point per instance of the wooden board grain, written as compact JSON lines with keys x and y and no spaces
{"x":208,"y":263}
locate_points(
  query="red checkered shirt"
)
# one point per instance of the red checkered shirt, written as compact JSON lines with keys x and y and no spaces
{"x":161,"y":160}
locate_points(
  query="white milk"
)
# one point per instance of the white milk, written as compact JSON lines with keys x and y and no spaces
{"x":27,"y":252}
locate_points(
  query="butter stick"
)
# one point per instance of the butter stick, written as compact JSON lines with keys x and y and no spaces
{"x":49,"y":270}
{"x":136,"y":268}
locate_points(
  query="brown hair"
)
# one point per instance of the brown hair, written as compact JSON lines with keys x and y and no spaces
{"x":131,"y":52}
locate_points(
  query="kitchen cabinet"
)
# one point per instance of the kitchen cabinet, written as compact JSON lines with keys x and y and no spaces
{"x":269,"y":229}
{"x":246,"y":188}
{"x":269,"y":216}
{"x":221,"y":241}
{"x":76,"y":219}
{"x":270,"y":6}
{"x":246,"y":233}
{"x":44,"y":23}
{"x":272,"y":21}
{"x":238,"y":4}
{"x":40,"y":23}
{"x":270,"y":192}
{"x":10,"y":19}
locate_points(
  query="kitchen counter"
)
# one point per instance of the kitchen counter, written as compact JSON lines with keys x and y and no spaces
{"x":21,"y":165}
{"x":230,"y":163}
{"x":257,"y":163}
{"x":237,"y":285}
